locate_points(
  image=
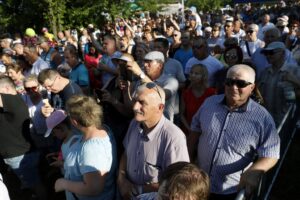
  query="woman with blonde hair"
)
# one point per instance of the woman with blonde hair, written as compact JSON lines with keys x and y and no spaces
{"x":93,"y":174}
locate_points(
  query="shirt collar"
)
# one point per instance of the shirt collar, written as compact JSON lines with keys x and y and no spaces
{"x":151,"y":135}
{"x":243,"y":108}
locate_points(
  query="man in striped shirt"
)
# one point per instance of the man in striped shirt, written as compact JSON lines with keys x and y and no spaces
{"x":232,"y":129}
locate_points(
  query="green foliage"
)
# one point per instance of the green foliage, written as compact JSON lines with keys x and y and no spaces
{"x":207,"y":5}
{"x":17,"y":15}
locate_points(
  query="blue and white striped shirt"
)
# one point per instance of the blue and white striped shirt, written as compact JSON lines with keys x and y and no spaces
{"x":230,"y":140}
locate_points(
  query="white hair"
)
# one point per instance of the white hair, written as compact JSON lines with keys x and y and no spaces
{"x":245,"y":69}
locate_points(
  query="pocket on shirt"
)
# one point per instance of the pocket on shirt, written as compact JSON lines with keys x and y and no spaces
{"x":151,"y":172}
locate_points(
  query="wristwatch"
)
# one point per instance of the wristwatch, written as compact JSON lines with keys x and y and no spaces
{"x":142,"y":75}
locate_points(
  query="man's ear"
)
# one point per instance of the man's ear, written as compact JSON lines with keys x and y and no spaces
{"x":253,"y":87}
{"x":161,"y":107}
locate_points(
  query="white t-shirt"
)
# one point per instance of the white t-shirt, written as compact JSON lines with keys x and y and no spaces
{"x":3,"y":190}
{"x":253,"y":46}
{"x":212,"y":65}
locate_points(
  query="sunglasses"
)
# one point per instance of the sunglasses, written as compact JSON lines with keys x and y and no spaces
{"x":270,"y":52}
{"x":249,"y":32}
{"x":280,"y":27}
{"x":175,"y":35}
{"x":229,"y":56}
{"x":152,"y":85}
{"x":31,"y":89}
{"x":239,"y":83}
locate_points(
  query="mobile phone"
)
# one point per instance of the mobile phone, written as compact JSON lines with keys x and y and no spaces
{"x":123,"y":72}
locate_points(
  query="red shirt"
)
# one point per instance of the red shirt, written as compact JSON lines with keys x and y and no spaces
{"x":192,"y":103}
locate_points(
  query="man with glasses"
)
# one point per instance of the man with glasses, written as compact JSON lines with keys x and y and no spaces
{"x":259,"y":61}
{"x":151,"y":144}
{"x":251,"y":42}
{"x":280,"y":82}
{"x":201,"y":56}
{"x":60,"y":87}
{"x":232,"y":129}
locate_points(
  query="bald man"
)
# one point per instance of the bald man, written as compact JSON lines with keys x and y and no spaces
{"x":151,"y":144}
{"x":232,"y":129}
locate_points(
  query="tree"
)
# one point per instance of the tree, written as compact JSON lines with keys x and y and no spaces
{"x":207,"y":5}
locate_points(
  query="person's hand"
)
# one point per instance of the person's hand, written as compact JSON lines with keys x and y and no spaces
{"x":250,"y":181}
{"x":46,"y":109}
{"x":134,"y":67}
{"x":59,"y":185}
{"x":125,"y":187}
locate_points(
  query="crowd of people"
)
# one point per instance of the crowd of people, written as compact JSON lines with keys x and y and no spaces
{"x":122,"y":111}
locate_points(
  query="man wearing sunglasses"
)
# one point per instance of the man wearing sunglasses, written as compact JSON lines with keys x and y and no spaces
{"x":260,"y":61}
{"x":278,"y":83}
{"x":251,"y":42}
{"x":232,"y":129}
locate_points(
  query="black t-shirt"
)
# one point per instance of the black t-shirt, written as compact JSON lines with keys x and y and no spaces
{"x":14,"y":126}
{"x":58,"y":101}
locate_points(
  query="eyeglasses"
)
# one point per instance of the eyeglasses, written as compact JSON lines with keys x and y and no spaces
{"x":231,"y":56}
{"x":251,"y":31}
{"x":152,"y":85}
{"x":31,"y":89}
{"x":51,"y":85}
{"x":270,"y":52}
{"x":239,"y":83}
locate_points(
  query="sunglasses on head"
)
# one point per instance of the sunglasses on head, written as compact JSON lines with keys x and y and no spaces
{"x":152,"y":85}
{"x":31,"y":89}
{"x":239,"y":83}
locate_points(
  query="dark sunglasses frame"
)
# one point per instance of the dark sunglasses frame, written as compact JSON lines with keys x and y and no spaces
{"x":152,"y":85}
{"x":270,"y":52}
{"x":31,"y":89}
{"x":239,"y":83}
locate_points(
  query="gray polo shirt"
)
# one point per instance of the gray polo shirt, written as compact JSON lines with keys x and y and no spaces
{"x":149,"y":155}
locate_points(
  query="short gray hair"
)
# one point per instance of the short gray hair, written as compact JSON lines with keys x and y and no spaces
{"x":245,"y":69}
